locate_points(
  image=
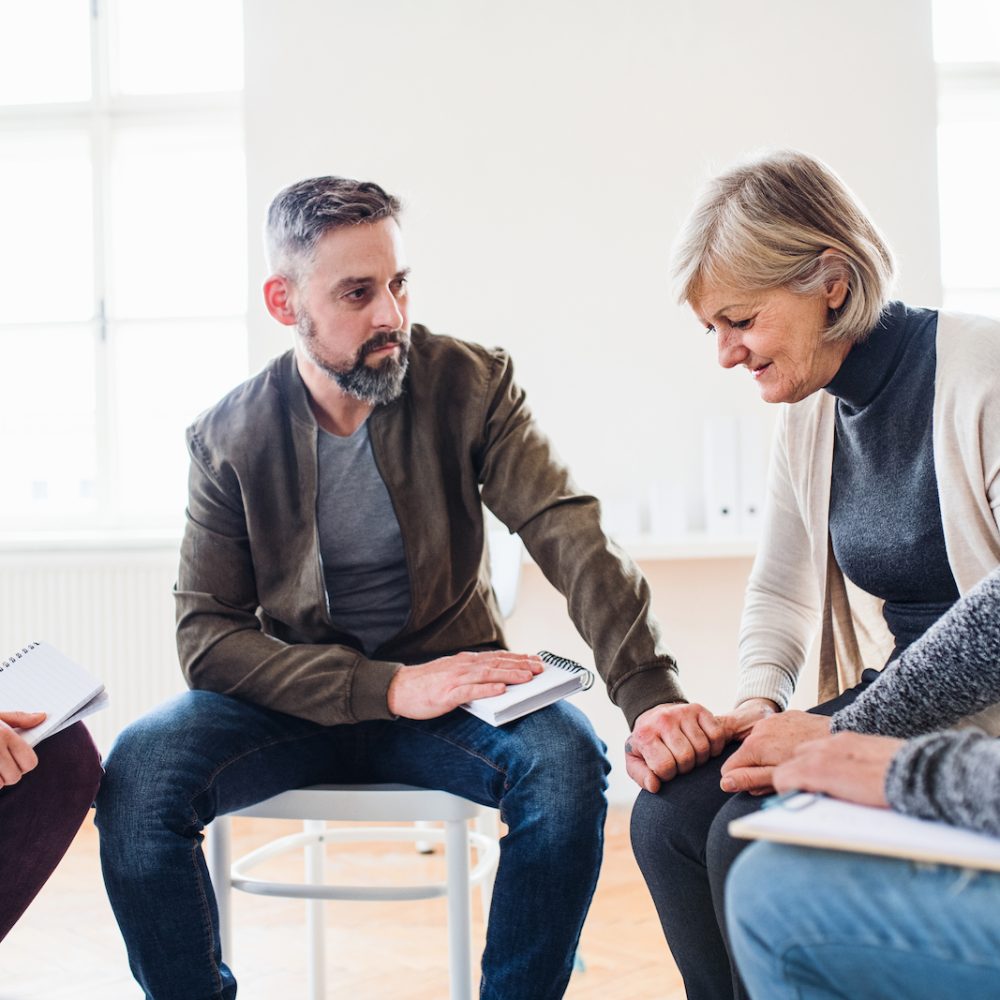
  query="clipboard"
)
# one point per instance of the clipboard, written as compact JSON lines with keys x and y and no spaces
{"x":811,"y":820}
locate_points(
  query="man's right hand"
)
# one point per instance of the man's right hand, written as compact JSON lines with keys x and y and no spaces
{"x":16,"y":757}
{"x":435,"y":688}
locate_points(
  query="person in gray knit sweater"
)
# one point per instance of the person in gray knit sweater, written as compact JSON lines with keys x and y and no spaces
{"x":827,"y":924}
{"x":951,"y":672}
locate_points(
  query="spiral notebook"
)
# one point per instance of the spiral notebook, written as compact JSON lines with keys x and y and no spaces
{"x":38,"y":678}
{"x":560,"y":678}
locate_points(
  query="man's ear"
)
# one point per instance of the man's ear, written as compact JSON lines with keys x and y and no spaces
{"x":278,"y":297}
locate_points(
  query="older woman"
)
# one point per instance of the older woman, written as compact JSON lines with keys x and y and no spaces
{"x":884,"y":489}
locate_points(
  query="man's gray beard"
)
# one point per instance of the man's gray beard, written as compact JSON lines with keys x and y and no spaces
{"x":374,"y":385}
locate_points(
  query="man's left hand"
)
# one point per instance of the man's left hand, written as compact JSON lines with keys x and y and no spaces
{"x":771,"y":742}
{"x":847,"y":766}
{"x":669,"y":740}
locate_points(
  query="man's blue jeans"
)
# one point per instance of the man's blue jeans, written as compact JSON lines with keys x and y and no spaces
{"x":203,"y":755}
{"x":814,"y":925}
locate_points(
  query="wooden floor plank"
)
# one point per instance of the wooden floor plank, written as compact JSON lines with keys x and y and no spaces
{"x":67,"y":945}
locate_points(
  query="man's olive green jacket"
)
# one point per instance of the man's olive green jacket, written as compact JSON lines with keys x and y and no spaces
{"x":252,"y":616}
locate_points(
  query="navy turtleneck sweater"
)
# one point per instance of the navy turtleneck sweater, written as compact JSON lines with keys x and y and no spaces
{"x":885,"y":515}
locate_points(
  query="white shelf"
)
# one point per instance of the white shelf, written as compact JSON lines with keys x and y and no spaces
{"x":96,"y":540}
{"x":693,"y":546}
{"x":642,"y":549}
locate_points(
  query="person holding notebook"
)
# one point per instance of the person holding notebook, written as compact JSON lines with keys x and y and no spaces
{"x":834,"y":924}
{"x":45,"y":793}
{"x":817,"y":923}
{"x":334,"y":609}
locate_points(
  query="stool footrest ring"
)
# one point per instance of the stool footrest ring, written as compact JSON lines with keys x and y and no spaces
{"x":487,"y":849}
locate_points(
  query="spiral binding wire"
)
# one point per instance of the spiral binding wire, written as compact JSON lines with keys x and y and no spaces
{"x":587,"y":676}
{"x":14,"y":657}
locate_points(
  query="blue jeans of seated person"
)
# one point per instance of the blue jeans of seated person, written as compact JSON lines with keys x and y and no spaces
{"x":203,"y":755}
{"x":680,"y":837}
{"x":814,"y":924}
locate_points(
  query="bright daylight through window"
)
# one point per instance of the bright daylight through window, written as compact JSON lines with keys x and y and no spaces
{"x":122,"y":178}
{"x":967,"y":51}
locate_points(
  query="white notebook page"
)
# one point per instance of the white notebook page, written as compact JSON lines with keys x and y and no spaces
{"x":38,"y":678}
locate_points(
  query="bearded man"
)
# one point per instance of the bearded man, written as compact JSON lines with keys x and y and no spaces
{"x":334,"y":610}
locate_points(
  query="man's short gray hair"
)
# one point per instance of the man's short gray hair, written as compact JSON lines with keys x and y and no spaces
{"x":769,"y":222}
{"x":303,"y":212}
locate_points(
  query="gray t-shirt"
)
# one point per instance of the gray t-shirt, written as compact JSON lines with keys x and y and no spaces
{"x":361,"y":546}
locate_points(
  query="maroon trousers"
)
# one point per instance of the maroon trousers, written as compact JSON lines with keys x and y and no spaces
{"x":39,"y":817}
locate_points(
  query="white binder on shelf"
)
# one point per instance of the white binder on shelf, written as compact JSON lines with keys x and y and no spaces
{"x":722,"y":475}
{"x":754,"y":453}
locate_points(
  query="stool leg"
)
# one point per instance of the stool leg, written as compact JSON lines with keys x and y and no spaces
{"x":459,"y":938}
{"x":315,"y":923}
{"x":424,"y":846}
{"x":488,"y":824}
{"x":219,"y":860}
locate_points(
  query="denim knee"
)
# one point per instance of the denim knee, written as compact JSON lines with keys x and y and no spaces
{"x":749,"y":885}
{"x":154,"y":770}
{"x":560,"y":763}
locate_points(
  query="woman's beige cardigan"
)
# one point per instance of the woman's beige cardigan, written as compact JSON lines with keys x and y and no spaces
{"x":796,"y":585}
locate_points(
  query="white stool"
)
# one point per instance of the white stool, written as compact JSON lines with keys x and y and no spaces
{"x":319,"y":804}
{"x":367,"y":803}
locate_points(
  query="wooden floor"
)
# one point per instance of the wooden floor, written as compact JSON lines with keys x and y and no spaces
{"x":67,"y":946}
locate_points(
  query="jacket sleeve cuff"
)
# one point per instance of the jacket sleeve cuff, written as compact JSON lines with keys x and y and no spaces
{"x":370,"y":689}
{"x":765,"y":682}
{"x":650,"y":685}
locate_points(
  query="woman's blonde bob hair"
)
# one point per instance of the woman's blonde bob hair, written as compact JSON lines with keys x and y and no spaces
{"x":786,"y":220}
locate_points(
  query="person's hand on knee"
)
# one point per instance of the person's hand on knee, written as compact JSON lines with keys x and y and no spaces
{"x":771,"y":741}
{"x":673,"y":739}
{"x":850,"y":766}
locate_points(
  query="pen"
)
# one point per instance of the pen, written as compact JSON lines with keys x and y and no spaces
{"x":793,"y":799}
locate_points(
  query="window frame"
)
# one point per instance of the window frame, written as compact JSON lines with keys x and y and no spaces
{"x":98,"y":118}
{"x":964,"y":89}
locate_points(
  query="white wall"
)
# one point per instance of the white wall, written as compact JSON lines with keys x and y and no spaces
{"x":547,"y":152}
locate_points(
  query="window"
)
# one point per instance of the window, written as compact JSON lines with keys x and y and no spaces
{"x":122,"y":189}
{"x":967,"y":51}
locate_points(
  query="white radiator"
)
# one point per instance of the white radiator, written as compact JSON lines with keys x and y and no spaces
{"x":112,"y":611}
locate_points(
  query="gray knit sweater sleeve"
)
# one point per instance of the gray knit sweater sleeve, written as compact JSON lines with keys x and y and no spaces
{"x":951,"y":776}
{"x":951,"y":671}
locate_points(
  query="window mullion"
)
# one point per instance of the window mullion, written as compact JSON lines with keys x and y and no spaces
{"x":100,"y":137}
